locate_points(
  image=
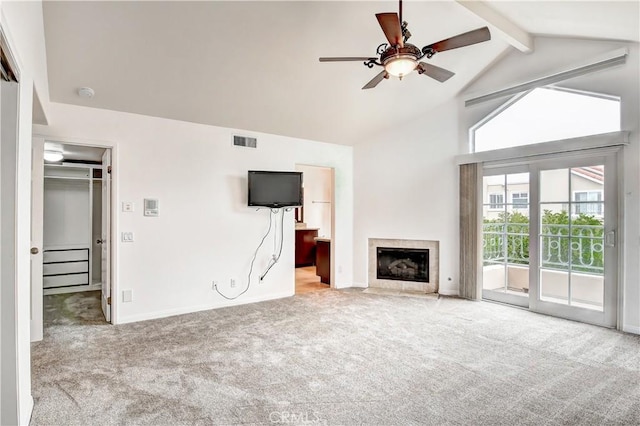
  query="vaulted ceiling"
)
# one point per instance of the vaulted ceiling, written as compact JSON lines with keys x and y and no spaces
{"x":254,"y":65}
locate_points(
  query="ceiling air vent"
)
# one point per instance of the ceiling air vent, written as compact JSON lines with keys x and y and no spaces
{"x":245,"y":141}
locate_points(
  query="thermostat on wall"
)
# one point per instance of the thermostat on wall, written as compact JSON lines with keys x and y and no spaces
{"x":150,"y":207}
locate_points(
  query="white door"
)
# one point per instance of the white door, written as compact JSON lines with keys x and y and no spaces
{"x":105,"y":264}
{"x":573,"y":242}
{"x":10,"y":205}
{"x":37,"y":222}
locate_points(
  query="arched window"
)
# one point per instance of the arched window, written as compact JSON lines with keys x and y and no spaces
{"x":546,"y":114}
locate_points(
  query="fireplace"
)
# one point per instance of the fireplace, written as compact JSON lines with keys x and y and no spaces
{"x":404,"y":265}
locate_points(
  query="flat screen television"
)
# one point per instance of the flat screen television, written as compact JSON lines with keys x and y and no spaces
{"x":275,"y":189}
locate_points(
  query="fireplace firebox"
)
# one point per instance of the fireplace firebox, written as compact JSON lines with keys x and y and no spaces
{"x":403,"y":275}
{"x":402,"y":264}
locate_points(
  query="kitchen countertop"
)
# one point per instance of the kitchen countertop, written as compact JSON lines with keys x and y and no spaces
{"x":325,"y":240}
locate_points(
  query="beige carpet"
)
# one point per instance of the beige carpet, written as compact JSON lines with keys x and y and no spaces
{"x":338,"y":358}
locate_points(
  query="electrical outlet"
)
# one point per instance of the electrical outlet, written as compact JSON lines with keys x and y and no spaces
{"x":127,"y":237}
{"x":127,"y":206}
{"x":233,"y":283}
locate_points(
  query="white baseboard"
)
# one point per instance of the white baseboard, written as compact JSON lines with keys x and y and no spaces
{"x":192,"y":309}
{"x":631,"y":329}
{"x":359,"y":285}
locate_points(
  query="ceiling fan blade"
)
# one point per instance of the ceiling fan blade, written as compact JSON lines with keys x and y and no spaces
{"x":434,"y":72}
{"x":391,"y":27}
{"x":461,"y":40}
{"x":375,"y":80}
{"x":346,"y":58}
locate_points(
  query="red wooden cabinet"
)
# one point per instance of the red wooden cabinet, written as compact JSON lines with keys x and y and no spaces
{"x":323,"y":260}
{"x":305,"y":247}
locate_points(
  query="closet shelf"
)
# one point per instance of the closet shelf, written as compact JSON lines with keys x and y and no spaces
{"x":87,"y":178}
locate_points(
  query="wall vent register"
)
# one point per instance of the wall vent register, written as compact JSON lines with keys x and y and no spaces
{"x":245,"y":141}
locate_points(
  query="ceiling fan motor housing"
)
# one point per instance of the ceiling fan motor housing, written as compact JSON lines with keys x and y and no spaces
{"x":408,"y":51}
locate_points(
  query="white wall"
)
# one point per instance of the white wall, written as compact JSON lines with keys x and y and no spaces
{"x":406,"y":186}
{"x":553,"y":54}
{"x":204,"y":231}
{"x":66,"y":213}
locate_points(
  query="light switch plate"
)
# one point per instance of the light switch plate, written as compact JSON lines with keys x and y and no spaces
{"x":127,"y":237}
{"x":127,"y":295}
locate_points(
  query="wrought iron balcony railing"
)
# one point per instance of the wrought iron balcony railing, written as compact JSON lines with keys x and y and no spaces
{"x":578,"y":248}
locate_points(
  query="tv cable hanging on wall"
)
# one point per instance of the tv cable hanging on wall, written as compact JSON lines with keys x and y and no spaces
{"x":274,"y":258}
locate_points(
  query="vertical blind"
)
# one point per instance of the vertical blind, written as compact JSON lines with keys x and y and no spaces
{"x":469,"y":235}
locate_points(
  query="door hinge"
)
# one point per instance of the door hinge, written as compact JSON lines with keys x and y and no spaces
{"x":109,"y":169}
{"x":108,"y":300}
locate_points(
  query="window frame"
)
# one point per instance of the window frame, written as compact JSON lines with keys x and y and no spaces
{"x":515,"y":98}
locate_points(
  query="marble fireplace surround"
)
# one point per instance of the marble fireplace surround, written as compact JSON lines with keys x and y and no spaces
{"x":434,"y":261}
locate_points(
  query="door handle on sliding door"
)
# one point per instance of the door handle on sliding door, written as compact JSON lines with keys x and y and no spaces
{"x":610,"y":239}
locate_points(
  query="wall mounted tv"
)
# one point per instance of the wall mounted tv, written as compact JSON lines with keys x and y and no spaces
{"x":275,"y":189}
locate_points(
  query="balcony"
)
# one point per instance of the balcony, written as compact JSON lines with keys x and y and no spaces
{"x":571,"y":257}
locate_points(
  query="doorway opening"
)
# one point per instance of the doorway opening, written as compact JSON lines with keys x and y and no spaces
{"x":71,"y":225}
{"x":314,"y":230}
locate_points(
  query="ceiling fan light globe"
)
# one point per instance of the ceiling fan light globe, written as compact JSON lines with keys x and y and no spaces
{"x":400,"y":66}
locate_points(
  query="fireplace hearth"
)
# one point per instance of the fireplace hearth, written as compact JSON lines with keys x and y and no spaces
{"x":404,"y":265}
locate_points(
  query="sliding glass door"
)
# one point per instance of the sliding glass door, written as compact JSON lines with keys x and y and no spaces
{"x":549,"y":237}
{"x":575,"y":239}
{"x":505,"y":236}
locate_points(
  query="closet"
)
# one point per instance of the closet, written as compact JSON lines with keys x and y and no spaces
{"x":72,"y":228}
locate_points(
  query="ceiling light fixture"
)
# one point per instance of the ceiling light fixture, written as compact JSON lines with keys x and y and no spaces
{"x":401,"y":65}
{"x":50,"y":155}
{"x":399,"y":61}
{"x":86,"y":92}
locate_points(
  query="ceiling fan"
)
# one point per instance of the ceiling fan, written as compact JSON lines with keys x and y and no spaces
{"x":400,"y":58}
